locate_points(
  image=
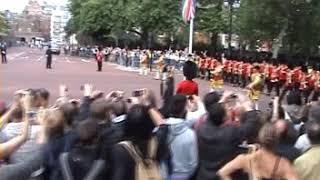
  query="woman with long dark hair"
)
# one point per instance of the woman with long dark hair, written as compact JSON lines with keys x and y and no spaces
{"x":140,"y":123}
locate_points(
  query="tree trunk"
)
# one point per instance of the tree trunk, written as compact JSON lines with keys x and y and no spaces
{"x":278,"y":43}
{"x":150,"y":34}
{"x":214,"y":41}
{"x":144,"y":38}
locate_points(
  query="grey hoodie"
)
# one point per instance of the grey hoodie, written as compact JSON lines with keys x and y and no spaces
{"x":183,"y":146}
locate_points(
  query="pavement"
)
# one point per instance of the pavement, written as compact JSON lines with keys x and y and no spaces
{"x":26,"y":69}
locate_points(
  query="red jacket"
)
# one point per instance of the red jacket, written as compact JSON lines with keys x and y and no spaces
{"x":296,"y":75}
{"x":187,"y":87}
{"x":283,"y":74}
{"x":99,"y":56}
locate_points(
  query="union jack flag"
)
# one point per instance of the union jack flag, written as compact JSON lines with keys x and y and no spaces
{"x":188,"y":10}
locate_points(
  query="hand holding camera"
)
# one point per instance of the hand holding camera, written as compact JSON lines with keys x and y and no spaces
{"x":87,"y":89}
{"x":63,"y":90}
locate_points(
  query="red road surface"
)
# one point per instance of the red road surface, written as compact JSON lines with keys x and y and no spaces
{"x":26,"y":69}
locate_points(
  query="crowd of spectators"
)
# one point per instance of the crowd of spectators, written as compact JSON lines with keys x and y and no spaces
{"x":122,"y":137}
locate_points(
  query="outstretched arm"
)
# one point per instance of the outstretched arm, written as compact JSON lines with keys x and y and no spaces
{"x":234,"y":165}
{"x":10,"y":146}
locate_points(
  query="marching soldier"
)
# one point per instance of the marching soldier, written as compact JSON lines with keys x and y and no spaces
{"x":296,"y":77}
{"x":160,"y":67}
{"x":216,"y":81}
{"x":202,"y":64}
{"x":144,"y":63}
{"x":309,"y":83}
{"x":274,"y":80}
{"x":255,"y":87}
{"x":316,"y":91}
{"x":283,"y":75}
{"x":207,"y":67}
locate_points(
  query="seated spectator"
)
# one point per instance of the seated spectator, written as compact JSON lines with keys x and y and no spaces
{"x":307,"y":165}
{"x":182,"y":141}
{"x":82,"y":161}
{"x":287,"y":137}
{"x":217,"y":144}
{"x":141,"y":121}
{"x":262,"y":162}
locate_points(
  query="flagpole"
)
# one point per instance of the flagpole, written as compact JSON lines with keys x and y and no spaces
{"x":191,"y":36}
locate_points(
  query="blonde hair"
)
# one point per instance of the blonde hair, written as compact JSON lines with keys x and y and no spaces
{"x":52,"y":120}
{"x":268,"y":136}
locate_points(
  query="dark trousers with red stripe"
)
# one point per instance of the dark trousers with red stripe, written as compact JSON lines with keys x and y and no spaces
{"x":99,"y":64}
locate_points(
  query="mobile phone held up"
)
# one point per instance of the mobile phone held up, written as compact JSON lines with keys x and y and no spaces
{"x":138,"y":93}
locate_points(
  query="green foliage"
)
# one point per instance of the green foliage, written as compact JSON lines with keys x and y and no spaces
{"x":4,"y":27}
{"x":292,"y":24}
{"x":103,"y":18}
{"x":265,"y":20}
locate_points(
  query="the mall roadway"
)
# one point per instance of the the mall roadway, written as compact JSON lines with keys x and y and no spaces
{"x":26,"y":69}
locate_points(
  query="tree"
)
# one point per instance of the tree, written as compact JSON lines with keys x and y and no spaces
{"x":211,"y":18}
{"x":146,"y":18}
{"x":290,"y":24}
{"x":4,"y":27}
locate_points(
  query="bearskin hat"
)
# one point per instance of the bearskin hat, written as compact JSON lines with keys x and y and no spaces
{"x":190,"y":70}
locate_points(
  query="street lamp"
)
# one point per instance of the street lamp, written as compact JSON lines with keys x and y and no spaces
{"x":230,"y":4}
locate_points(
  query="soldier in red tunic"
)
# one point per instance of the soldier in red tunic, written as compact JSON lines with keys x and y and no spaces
{"x":296,"y":77}
{"x":202,"y":69}
{"x":207,"y":68}
{"x":243,"y":76}
{"x":309,"y":83}
{"x":283,"y":75}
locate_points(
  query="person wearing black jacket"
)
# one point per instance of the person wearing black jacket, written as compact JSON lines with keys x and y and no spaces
{"x":49,"y":57}
{"x":123,"y":165}
{"x":83,"y":160}
{"x":3,"y":51}
{"x":218,"y":143}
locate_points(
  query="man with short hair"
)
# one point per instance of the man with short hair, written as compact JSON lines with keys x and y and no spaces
{"x":182,"y":140}
{"x":307,"y":165}
{"x":303,"y":143}
{"x":217,"y":143}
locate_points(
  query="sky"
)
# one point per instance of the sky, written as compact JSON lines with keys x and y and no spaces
{"x":18,"y":5}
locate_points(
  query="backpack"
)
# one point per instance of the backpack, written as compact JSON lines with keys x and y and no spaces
{"x":147,"y":169}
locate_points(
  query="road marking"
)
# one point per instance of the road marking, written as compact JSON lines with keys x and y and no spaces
{"x":39,"y":59}
{"x":128,"y":69}
{"x":67,"y":60}
{"x":16,"y":55}
{"x":83,"y":60}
